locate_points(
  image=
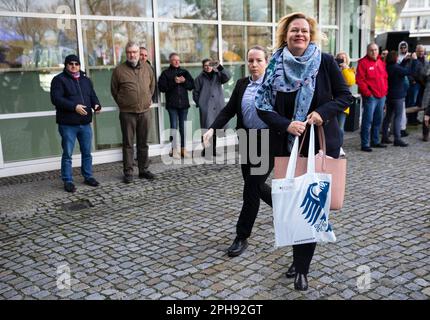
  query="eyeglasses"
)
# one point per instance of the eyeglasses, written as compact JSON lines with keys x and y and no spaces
{"x":73,"y":64}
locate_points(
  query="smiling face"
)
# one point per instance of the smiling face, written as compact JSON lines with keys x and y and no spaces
{"x":298,"y":36}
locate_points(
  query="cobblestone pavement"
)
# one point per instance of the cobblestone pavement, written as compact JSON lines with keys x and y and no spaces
{"x":167,"y":239}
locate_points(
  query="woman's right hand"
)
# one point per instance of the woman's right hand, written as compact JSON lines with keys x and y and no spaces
{"x":297,"y":128}
{"x":207,"y":137}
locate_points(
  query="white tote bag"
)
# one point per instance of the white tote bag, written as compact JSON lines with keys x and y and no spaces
{"x":301,"y":205}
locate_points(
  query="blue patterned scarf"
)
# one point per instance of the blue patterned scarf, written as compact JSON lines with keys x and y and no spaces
{"x":287,"y":73}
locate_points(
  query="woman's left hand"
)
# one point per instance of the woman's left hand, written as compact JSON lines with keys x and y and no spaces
{"x":315,"y":118}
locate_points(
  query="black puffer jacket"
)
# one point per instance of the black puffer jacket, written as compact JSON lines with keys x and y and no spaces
{"x":176,"y":94}
{"x":66,"y":93}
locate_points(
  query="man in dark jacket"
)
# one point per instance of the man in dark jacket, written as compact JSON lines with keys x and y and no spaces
{"x":175,"y":83}
{"x":73,"y":96}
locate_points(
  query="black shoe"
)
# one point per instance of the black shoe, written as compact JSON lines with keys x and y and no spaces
{"x":291,"y":273}
{"x":91,"y":182}
{"x":128,"y":179}
{"x":301,"y":282}
{"x":69,"y":187}
{"x":386,"y":141}
{"x":403,"y":133}
{"x":366,"y":149}
{"x":237,"y":247}
{"x":146,"y":174}
{"x":378,"y":145}
{"x":400,"y":143}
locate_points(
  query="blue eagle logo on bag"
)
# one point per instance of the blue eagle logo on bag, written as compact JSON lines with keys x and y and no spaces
{"x":314,"y":203}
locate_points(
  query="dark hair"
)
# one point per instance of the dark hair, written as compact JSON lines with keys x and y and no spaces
{"x":205,"y":60}
{"x":391,"y":57}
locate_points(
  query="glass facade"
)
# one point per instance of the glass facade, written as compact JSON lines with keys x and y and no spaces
{"x":36,"y":36}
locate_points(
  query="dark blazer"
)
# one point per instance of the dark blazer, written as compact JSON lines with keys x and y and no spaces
{"x":233,"y":107}
{"x":67,"y":92}
{"x":331,"y":97}
{"x":176,"y":94}
{"x":396,"y":78}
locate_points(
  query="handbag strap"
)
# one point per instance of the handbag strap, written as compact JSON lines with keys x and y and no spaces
{"x":321,"y":139}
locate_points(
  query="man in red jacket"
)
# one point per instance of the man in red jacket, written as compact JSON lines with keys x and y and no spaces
{"x":372,"y":81}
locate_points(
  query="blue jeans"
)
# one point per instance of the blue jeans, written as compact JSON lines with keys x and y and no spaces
{"x":341,"y":117}
{"x":394,"y":107}
{"x":174,"y":114}
{"x":69,"y":134}
{"x":373,"y":112}
{"x":412,"y":96}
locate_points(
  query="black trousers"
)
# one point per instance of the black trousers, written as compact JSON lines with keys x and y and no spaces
{"x":254,"y":189}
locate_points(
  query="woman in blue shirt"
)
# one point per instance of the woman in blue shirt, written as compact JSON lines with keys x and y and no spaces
{"x":241,"y":104}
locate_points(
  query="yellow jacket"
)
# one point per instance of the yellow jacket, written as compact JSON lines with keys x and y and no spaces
{"x":349,"y":76}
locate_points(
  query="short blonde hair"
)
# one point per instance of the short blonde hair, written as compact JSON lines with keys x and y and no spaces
{"x":285,"y":22}
{"x":348,"y":60}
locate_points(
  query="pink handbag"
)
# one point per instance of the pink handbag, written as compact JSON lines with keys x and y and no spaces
{"x":336,"y":167}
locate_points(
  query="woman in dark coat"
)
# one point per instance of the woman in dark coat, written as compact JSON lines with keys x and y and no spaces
{"x":241,"y":104}
{"x":302,"y":86}
{"x":208,"y":93}
{"x":396,"y":94}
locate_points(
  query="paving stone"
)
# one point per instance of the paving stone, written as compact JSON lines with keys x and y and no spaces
{"x":166,"y":239}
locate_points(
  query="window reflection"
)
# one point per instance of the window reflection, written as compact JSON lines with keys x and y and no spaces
{"x":32,"y":52}
{"x":46,"y":6}
{"x":247,"y":10}
{"x":328,"y":42}
{"x":186,"y":9}
{"x":133,"y":8}
{"x":328,"y":12}
{"x":104,"y":48}
{"x":193,"y":42}
{"x":284,"y":7}
{"x":236,"y":40}
{"x":351,"y":32}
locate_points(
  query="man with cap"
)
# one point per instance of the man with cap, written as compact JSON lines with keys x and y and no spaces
{"x":74,"y":98}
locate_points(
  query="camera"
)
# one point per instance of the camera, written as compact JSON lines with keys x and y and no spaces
{"x":339,"y":61}
{"x":213,"y":63}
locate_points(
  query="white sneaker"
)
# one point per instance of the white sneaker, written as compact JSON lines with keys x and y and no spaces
{"x":342,"y":153}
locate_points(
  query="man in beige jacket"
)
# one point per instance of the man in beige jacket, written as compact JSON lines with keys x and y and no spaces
{"x":132,"y":87}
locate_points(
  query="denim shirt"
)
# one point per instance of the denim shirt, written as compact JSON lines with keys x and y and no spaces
{"x":249,"y":113}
